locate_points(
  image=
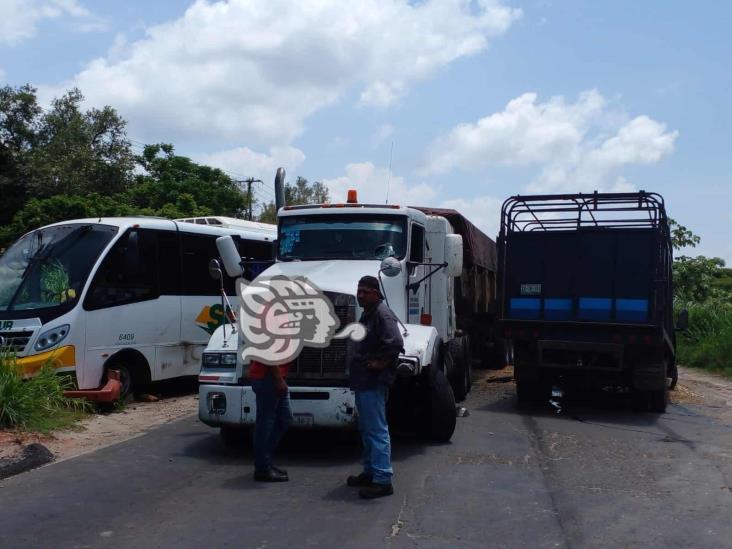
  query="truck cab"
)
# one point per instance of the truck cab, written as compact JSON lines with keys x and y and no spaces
{"x":333,"y":246}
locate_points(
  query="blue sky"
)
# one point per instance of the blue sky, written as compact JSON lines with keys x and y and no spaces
{"x":478,"y":100}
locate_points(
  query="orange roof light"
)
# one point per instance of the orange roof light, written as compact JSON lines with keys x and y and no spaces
{"x":352,"y":197}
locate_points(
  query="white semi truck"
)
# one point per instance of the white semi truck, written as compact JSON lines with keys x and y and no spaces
{"x":440,"y":287}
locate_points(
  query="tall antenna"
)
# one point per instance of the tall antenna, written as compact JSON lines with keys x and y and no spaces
{"x":388,"y":181}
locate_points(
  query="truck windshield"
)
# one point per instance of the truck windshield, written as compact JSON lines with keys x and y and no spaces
{"x":318,"y":237}
{"x":48,"y":267}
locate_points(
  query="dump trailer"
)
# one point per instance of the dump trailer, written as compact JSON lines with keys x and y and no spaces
{"x":586,"y":296}
{"x":439,"y":284}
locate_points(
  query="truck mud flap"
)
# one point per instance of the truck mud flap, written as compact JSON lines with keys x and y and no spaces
{"x":650,"y":377}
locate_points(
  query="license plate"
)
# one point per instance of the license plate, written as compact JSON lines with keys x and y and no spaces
{"x":303,"y":420}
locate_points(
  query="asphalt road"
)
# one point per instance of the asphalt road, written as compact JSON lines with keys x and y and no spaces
{"x":597,"y":476}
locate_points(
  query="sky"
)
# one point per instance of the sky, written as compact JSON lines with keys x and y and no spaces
{"x":451,"y":103}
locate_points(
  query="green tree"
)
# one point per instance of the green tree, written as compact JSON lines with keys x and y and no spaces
{"x":19,"y":114}
{"x":302,"y":192}
{"x":681,"y":237}
{"x":79,"y":152}
{"x":176,"y":185}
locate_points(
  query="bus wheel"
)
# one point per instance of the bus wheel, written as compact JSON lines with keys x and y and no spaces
{"x":126,"y":380}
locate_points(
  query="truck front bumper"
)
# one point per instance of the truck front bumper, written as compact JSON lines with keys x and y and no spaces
{"x":321,"y":407}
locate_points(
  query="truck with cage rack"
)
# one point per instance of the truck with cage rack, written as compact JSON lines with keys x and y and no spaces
{"x":586,"y":295}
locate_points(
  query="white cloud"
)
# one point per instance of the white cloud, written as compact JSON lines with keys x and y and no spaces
{"x":19,"y":19}
{"x":259,"y":68}
{"x":382,"y":132}
{"x":574,"y":146}
{"x":244,"y":162}
{"x":374,"y":184}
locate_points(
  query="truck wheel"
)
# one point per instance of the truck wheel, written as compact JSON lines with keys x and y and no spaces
{"x":650,"y":401}
{"x":438,"y":423}
{"x":460,"y":372}
{"x":529,"y":389}
{"x":673,"y":374}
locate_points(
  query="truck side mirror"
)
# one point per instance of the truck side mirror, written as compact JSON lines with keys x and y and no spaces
{"x":230,"y":256}
{"x":454,"y":254}
{"x":214,"y":269}
{"x":390,"y":266}
{"x":682,"y":324}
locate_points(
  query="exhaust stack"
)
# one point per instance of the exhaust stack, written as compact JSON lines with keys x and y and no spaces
{"x":280,"y":189}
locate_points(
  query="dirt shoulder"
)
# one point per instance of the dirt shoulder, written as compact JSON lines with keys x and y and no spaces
{"x":707,"y":392}
{"x":99,"y":430}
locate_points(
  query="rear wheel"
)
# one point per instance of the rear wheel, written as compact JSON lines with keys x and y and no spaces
{"x":650,"y":401}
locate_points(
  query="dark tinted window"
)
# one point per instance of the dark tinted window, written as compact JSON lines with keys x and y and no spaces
{"x":128,"y":273}
{"x":416,"y":251}
{"x":169,"y":263}
{"x":198,"y":250}
{"x":257,"y":255}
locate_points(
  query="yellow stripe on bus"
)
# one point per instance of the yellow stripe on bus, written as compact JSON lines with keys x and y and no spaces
{"x":63,"y":357}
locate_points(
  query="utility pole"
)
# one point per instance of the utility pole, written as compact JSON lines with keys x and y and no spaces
{"x":250,"y":181}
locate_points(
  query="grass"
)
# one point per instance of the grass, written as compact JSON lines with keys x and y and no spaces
{"x":708,"y":342}
{"x":36,"y":404}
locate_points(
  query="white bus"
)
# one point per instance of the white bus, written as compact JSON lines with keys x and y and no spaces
{"x":126,"y":294}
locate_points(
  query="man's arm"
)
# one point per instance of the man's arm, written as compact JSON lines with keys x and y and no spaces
{"x":391,"y":342}
{"x":279,"y":381}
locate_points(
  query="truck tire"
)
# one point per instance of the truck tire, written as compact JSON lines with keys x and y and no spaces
{"x":438,"y":422}
{"x":650,"y":401}
{"x":460,"y":371}
{"x":673,"y":374}
{"x":529,"y":388}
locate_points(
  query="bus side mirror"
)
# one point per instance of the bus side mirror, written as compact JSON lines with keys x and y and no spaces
{"x":214,"y":269}
{"x":682,"y":324}
{"x":454,"y":254}
{"x":230,"y":256}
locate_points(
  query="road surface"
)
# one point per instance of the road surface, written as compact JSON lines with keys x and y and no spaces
{"x":596,"y":476}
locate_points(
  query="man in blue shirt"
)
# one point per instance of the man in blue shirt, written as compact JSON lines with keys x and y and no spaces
{"x":372,"y":366}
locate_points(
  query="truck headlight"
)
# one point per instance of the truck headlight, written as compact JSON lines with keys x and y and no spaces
{"x":51,"y":337}
{"x":211,"y":359}
{"x":228,"y":359}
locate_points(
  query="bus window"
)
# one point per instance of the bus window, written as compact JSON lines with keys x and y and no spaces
{"x":169,"y":263}
{"x":259,"y":255}
{"x":198,"y":250}
{"x":128,"y":273}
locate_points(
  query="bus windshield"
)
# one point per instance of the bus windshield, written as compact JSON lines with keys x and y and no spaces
{"x":319,"y":237}
{"x":49,"y":267}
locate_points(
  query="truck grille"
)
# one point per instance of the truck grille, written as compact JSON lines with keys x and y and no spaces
{"x":332,"y":361}
{"x":16,"y":342}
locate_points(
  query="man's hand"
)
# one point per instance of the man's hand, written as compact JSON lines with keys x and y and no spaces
{"x":376,"y":364}
{"x":281,"y":386}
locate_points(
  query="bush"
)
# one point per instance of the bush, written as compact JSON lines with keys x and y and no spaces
{"x":37,"y":403}
{"x":708,"y":342}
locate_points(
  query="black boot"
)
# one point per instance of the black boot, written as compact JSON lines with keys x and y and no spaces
{"x":279,"y":470}
{"x":270,"y":475}
{"x":357,"y":481}
{"x":374,"y":490}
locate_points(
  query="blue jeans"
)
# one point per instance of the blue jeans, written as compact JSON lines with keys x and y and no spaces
{"x":371,"y":407}
{"x":274,"y":416}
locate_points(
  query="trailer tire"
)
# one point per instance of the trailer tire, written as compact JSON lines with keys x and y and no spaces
{"x":528,"y":388}
{"x":438,"y":423}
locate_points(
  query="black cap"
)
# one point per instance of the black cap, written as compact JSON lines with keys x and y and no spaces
{"x":371,"y":282}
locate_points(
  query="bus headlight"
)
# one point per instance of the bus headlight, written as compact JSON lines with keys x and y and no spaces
{"x":51,"y":337}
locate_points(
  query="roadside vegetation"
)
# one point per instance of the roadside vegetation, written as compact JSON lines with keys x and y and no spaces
{"x":703,"y":286}
{"x":36,"y":404}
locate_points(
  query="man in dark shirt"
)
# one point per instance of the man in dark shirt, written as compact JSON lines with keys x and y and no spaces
{"x":372,"y":366}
